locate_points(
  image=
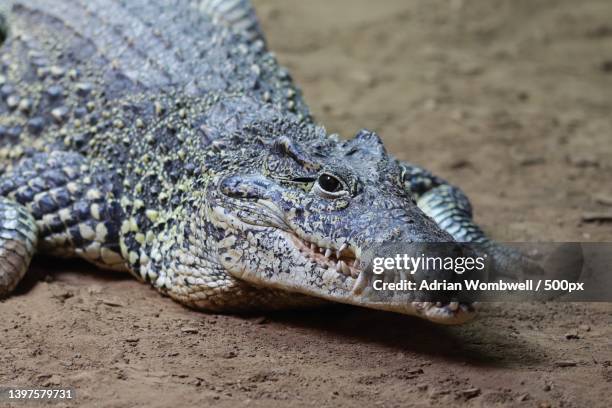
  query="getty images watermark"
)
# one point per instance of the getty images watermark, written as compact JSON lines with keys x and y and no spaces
{"x":526,"y":271}
{"x":404,"y":263}
{"x":461,"y":265}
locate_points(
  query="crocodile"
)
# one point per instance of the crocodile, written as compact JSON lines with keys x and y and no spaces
{"x":163,"y":138}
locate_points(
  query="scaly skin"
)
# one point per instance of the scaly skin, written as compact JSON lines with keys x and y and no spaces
{"x":160,"y":140}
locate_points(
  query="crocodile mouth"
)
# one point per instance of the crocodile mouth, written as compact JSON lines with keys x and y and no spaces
{"x":344,"y":260}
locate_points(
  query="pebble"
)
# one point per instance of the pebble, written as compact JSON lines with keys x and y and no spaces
{"x":572,"y":335}
{"x":603,"y":199}
{"x":522,"y":397}
{"x":438,"y":393}
{"x":596,"y":216}
{"x":63,"y":295}
{"x":470,"y":392}
{"x":565,"y":363}
{"x":189,"y":330}
{"x":111,"y":302}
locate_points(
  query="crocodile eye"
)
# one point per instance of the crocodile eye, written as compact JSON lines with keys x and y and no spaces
{"x":329,"y":183}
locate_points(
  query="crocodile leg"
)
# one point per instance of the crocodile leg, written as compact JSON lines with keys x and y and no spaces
{"x":18,"y":237}
{"x":443,"y":202}
{"x":452,"y":211}
{"x":68,"y":202}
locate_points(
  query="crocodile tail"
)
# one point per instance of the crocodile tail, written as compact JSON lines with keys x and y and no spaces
{"x":236,"y":14}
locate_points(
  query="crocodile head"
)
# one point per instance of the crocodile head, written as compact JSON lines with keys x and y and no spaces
{"x":309,"y":209}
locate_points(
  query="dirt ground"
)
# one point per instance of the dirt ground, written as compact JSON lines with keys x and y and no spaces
{"x":511,"y":100}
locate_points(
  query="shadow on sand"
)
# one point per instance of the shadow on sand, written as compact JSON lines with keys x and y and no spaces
{"x":477,"y":343}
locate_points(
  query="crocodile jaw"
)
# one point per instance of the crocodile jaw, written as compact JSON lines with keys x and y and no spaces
{"x":326,"y":270}
{"x":347,"y":261}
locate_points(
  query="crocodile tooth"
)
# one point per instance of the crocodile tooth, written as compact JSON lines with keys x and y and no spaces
{"x":345,"y":268}
{"x":453,"y":306}
{"x":322,"y":250}
{"x":360,"y":284}
{"x":339,"y":267}
{"x":313,"y":247}
{"x":338,"y":254}
{"x":328,"y":252}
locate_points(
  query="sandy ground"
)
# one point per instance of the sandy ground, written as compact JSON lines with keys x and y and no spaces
{"x":511,"y":100}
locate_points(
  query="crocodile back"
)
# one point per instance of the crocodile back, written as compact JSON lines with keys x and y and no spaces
{"x":61,"y":55}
